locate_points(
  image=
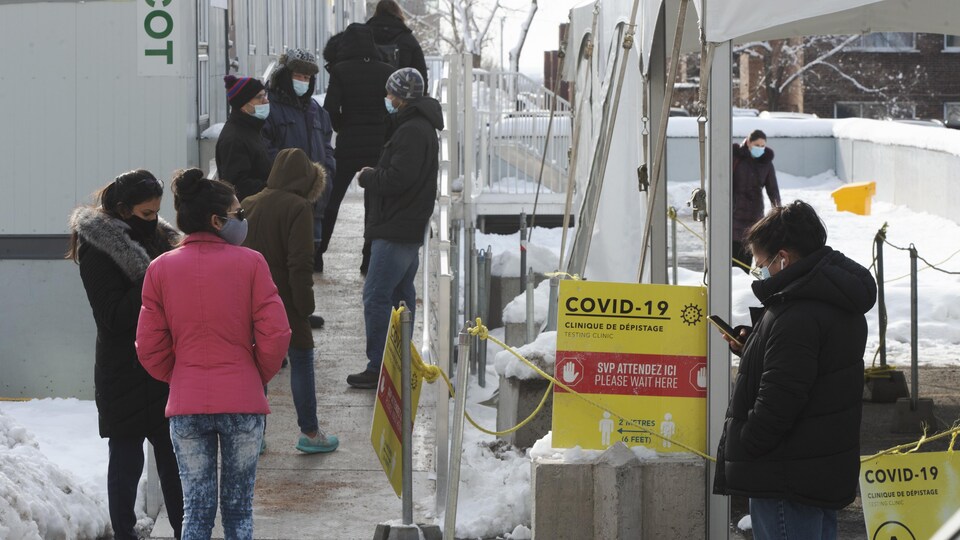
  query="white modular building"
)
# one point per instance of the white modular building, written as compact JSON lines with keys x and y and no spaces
{"x":93,"y":89}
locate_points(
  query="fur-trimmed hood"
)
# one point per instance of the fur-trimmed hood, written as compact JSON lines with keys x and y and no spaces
{"x":294,"y":172}
{"x":109,"y":235}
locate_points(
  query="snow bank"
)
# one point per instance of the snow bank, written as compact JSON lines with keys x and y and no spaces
{"x":516,"y":310}
{"x":38,"y":499}
{"x":543,"y":449}
{"x":542,"y":353}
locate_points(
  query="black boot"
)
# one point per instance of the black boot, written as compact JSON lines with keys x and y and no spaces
{"x":318,"y":260}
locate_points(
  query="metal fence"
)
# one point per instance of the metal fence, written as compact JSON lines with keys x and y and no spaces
{"x":515,"y":132}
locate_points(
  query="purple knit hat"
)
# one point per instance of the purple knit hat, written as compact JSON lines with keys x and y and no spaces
{"x":240,"y":90}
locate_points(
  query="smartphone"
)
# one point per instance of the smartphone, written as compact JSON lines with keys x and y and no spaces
{"x":725,"y":328}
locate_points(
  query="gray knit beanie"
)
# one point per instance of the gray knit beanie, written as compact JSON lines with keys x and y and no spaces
{"x":405,"y":83}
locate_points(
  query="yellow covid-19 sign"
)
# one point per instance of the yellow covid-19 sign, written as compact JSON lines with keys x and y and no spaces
{"x":634,"y":348}
{"x":386,"y":434}
{"x":908,"y":496}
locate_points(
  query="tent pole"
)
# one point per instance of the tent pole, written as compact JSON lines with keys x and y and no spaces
{"x":719,"y":210}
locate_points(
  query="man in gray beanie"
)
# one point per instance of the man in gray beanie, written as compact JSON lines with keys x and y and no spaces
{"x":403,"y":189}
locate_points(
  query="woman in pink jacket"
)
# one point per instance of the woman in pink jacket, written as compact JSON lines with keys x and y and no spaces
{"x":213,"y":326}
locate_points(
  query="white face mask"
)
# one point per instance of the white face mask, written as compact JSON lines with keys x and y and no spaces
{"x":300,"y":87}
{"x":261,"y":111}
{"x":764,"y":273}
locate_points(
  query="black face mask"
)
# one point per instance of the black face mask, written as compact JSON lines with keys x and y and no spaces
{"x":141,"y":228}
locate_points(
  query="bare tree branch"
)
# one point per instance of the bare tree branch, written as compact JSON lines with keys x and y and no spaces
{"x":855,"y":82}
{"x":524,"y":29}
{"x":819,"y":60}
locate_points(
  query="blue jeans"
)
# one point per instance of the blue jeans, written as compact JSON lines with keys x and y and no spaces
{"x":777,"y":519}
{"x":303,"y":387}
{"x":196,"y":438}
{"x":393,"y":268}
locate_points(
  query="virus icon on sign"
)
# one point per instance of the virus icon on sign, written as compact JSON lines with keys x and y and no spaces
{"x":691,"y":314}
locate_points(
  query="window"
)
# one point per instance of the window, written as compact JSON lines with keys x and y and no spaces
{"x":203,"y":62}
{"x":873,"y":109}
{"x":951,"y":113}
{"x":951,"y":43}
{"x":251,"y":28}
{"x":885,"y":42}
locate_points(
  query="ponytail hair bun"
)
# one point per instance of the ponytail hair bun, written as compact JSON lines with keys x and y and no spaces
{"x":196,"y":198}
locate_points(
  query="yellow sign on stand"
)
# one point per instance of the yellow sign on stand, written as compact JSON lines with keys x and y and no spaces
{"x":908,"y":496}
{"x":635,"y":349}
{"x":386,"y":434}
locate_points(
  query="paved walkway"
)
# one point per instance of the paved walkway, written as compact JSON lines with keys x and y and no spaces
{"x":345,"y":494}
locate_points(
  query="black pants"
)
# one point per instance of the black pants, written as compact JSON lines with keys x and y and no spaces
{"x":123,"y":476}
{"x":740,"y":253}
{"x":346,"y":168}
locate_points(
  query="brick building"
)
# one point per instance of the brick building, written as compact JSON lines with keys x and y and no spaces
{"x":891,"y":74}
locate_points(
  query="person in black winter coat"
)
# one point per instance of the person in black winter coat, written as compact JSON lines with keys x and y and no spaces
{"x":402,"y":190}
{"x":753,"y":172}
{"x":392,"y":34}
{"x":242,"y":158}
{"x":791,"y":440}
{"x":355,"y":102}
{"x":114,"y":242}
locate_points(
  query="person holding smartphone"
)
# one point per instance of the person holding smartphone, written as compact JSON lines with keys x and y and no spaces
{"x":791,"y":440}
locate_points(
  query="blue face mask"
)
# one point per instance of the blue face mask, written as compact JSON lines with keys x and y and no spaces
{"x":234,"y":231}
{"x":300,"y":87}
{"x":764,"y":273}
{"x":757,"y":151}
{"x":389,"y":105}
{"x":261,"y":111}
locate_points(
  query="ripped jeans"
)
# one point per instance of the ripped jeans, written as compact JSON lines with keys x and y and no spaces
{"x":197,"y":440}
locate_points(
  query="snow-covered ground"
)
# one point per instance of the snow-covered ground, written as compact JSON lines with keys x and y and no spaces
{"x":53,"y":463}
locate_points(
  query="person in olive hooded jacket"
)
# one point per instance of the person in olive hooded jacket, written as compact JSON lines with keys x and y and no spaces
{"x":281,"y":229}
{"x":791,"y":440}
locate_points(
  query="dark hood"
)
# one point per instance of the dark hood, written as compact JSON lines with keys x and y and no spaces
{"x":357,"y":41}
{"x":294,"y":172}
{"x":826,"y":276}
{"x":427,"y":107}
{"x":744,"y":153}
{"x":386,"y":28}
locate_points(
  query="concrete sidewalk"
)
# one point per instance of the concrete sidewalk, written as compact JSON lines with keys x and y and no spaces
{"x":344,"y":494}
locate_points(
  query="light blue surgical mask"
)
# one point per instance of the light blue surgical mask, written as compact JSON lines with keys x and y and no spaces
{"x":389,"y":105}
{"x":757,"y":151}
{"x":234,"y":231}
{"x":764,"y":273}
{"x":261,"y":111}
{"x":300,"y":87}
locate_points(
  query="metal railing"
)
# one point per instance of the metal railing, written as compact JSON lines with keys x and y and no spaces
{"x":513,"y":114}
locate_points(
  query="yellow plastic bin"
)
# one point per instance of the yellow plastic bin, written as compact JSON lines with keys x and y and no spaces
{"x":855,"y":197}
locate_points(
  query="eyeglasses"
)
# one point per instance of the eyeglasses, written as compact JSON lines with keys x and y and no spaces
{"x":239,"y":213}
{"x":755,"y":271}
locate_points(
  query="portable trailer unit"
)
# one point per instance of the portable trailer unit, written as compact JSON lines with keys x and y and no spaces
{"x":93,"y":89}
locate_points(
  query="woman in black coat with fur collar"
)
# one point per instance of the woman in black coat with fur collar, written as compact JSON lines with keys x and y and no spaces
{"x":113,"y":242}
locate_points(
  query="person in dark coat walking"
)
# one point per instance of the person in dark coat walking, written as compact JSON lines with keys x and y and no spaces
{"x":355,"y":102}
{"x":753,"y":172}
{"x":403,"y":190}
{"x":281,"y":229}
{"x":297,"y":121}
{"x":242,"y":158}
{"x":392,"y":34}
{"x":791,"y":440}
{"x":113,"y":242}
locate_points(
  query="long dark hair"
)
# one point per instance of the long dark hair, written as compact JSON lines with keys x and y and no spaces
{"x":126,"y":191}
{"x":389,"y":7}
{"x":196,"y":198}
